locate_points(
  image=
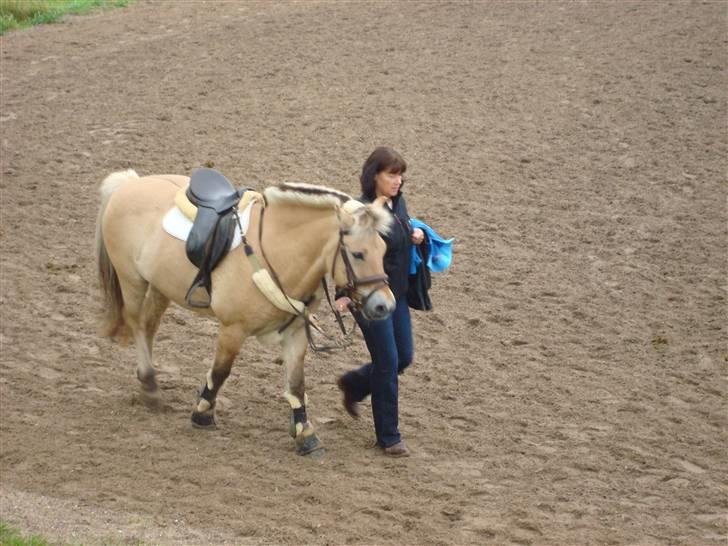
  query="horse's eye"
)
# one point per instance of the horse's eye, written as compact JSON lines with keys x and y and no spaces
{"x":358,"y":255}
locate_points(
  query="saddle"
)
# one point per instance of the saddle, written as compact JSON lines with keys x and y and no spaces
{"x":213,"y":228}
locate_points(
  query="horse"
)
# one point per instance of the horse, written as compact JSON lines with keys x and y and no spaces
{"x":299,"y":232}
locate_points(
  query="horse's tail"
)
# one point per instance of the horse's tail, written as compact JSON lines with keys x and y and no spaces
{"x":112,"y":321}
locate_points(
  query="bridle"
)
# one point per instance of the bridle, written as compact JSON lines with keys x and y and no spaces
{"x":351,"y":289}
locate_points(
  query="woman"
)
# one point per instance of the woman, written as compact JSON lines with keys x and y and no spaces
{"x":389,"y":341}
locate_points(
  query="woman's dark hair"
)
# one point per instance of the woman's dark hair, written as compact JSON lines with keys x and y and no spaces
{"x":382,"y":159}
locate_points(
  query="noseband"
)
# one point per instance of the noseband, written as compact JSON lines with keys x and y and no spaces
{"x":351,"y":289}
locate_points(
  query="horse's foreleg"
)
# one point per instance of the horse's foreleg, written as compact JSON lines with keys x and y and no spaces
{"x":229,"y":341}
{"x":301,"y":429}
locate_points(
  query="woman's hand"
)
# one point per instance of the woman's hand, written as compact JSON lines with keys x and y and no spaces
{"x":342,"y":304}
{"x":418,"y":236}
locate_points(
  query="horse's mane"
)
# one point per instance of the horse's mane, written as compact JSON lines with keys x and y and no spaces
{"x":311,"y":195}
{"x":306,"y":194}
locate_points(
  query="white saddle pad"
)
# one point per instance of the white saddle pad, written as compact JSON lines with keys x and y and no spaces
{"x":179,"y":226}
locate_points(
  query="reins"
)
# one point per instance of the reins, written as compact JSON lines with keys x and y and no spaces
{"x":351,"y":288}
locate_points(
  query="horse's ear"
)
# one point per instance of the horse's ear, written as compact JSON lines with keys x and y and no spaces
{"x":381,"y":220}
{"x":372,"y":216}
{"x":346,"y":218}
{"x":380,"y":201}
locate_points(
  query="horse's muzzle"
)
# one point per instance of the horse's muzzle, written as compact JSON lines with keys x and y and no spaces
{"x":379,"y":305}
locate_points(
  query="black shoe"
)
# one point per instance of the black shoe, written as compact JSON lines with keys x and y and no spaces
{"x":351,"y":405}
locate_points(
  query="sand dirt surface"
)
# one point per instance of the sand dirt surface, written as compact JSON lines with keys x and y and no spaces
{"x":568,"y":388}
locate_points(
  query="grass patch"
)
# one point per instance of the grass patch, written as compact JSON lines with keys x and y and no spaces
{"x":11,"y":537}
{"x":25,"y":13}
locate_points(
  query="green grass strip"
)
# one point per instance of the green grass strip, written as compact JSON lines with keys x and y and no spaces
{"x":11,"y":537}
{"x":25,"y":13}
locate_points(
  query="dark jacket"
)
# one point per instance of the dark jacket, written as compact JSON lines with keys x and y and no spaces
{"x":420,"y":281}
{"x":398,"y":255}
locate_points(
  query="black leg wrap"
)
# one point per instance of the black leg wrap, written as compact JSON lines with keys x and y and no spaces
{"x":208,"y":395}
{"x":298,"y":415}
{"x":205,"y":419}
{"x":305,"y":445}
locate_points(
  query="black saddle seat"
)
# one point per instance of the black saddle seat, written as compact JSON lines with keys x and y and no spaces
{"x":210,"y":189}
{"x":212,"y":231}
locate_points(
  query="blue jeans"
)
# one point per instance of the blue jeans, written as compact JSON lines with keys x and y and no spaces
{"x":391,"y":348}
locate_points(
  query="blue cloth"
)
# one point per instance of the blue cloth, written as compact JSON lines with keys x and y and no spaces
{"x":440,"y":256}
{"x":391,"y":347}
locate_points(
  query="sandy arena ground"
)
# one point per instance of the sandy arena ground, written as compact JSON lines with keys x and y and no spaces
{"x":570,"y":386}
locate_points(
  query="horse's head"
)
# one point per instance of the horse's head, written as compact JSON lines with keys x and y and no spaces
{"x":358,"y":267}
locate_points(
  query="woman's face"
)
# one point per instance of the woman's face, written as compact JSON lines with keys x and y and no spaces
{"x":388,"y":184}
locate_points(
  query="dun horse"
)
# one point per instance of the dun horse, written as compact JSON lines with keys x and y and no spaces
{"x":307,"y":232}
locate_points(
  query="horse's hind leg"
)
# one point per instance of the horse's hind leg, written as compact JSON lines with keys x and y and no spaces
{"x":137,"y":314}
{"x":229,"y":340}
{"x":153,"y":307}
{"x":301,"y":429}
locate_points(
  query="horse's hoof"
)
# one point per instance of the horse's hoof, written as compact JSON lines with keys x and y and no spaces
{"x":148,"y":382}
{"x":316,"y":455}
{"x":309,"y":446}
{"x":204,"y":421}
{"x":150,"y":386}
{"x":150,"y":398}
